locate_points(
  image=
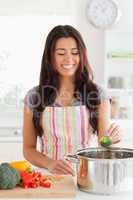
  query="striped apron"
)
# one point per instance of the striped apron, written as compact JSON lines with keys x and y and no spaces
{"x":66,"y":130}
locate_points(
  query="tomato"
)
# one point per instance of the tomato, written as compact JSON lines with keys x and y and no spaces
{"x":24,"y":174}
{"x":33,"y":184}
{"x":34,"y":179}
{"x":47,"y":183}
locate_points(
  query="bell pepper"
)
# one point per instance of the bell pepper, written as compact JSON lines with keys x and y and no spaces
{"x":22,"y":165}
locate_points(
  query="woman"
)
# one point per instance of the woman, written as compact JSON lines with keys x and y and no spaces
{"x":67,"y":106}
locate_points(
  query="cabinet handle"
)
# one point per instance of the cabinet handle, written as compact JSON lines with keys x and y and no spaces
{"x":17,"y":132}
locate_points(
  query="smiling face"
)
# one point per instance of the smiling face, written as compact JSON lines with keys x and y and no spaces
{"x":66,"y":57}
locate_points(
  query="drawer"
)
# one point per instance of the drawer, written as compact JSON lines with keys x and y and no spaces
{"x":10,"y":151}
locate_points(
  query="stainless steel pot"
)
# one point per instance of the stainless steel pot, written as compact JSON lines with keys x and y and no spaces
{"x":104,"y":170}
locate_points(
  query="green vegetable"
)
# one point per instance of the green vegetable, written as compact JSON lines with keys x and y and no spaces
{"x":9,"y":177}
{"x":105,"y":141}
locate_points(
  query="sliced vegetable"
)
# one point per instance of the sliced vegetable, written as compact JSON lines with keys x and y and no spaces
{"x":46,"y":183}
{"x":34,"y":179}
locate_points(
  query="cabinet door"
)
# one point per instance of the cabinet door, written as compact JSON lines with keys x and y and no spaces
{"x":10,"y":151}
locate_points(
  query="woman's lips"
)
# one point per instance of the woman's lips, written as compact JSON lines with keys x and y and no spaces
{"x":67,"y":66}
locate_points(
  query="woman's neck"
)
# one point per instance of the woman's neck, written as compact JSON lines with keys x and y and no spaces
{"x":65,"y":96}
{"x":67,"y":84}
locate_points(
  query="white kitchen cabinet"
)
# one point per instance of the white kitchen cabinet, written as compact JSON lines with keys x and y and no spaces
{"x":10,"y":143}
{"x":10,"y":150}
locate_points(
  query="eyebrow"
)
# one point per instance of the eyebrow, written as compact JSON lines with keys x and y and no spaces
{"x":65,"y":49}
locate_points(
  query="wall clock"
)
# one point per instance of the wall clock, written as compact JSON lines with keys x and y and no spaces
{"x":102,"y":13}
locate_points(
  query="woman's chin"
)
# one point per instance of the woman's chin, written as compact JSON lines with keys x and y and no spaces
{"x":67,"y":72}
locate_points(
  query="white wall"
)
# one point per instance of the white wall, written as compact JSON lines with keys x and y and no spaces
{"x":126,"y":22}
{"x":36,"y":7}
{"x":94,"y":38}
{"x":77,"y":10}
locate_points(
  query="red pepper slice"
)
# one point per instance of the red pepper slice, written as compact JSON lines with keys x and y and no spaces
{"x":47,"y":183}
{"x":34,"y":179}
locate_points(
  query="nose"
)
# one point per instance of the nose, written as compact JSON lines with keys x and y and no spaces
{"x":68,"y":57}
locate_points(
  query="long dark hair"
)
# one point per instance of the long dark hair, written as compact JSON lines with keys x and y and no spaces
{"x":49,"y":78}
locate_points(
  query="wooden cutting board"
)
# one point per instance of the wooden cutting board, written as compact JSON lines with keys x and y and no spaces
{"x":63,"y":186}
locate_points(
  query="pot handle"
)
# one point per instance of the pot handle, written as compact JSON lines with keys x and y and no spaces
{"x":72,"y":158}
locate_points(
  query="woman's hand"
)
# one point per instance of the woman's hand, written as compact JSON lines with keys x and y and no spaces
{"x":60,"y":167}
{"x":115,"y":132}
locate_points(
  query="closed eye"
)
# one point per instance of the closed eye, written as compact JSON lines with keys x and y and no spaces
{"x":76,"y":53}
{"x":61,"y":54}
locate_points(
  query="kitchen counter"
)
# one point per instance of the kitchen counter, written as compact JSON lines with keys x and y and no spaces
{"x":119,"y":196}
{"x":127,"y":195}
{"x":80,"y":194}
{"x":87,"y":196}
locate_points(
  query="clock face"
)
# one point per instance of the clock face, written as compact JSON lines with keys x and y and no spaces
{"x":102,"y":13}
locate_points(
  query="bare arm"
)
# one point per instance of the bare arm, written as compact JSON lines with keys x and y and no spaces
{"x":104,"y":123}
{"x":104,"y":118}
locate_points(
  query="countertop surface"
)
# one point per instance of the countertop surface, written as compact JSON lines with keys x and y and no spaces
{"x":86,"y":196}
{"x":81,"y":195}
{"x":119,"y":196}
